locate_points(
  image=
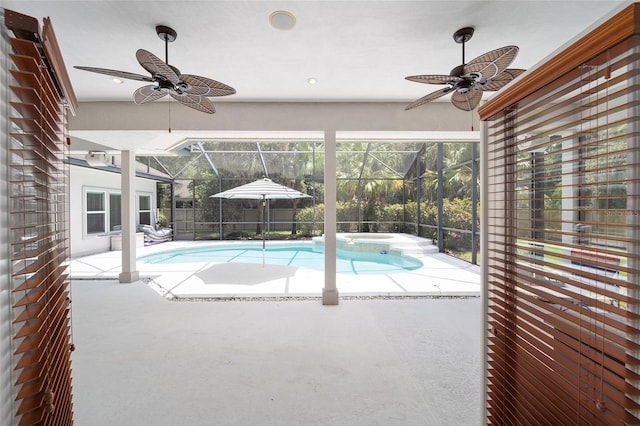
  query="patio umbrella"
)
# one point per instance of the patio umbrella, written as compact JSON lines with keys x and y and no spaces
{"x":262,"y":189}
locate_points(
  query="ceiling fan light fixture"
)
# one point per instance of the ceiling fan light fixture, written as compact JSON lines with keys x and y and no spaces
{"x":117,"y":80}
{"x":282,"y":20}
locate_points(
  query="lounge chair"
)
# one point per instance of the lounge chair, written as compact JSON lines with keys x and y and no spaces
{"x":156,"y":235}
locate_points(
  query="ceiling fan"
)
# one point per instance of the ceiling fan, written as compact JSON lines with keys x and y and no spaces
{"x":190,"y":90}
{"x":467,"y":82}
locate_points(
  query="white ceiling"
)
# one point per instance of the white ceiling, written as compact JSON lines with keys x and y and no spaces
{"x":357,"y":50}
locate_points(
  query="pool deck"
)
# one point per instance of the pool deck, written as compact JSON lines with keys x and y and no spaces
{"x":441,"y":275}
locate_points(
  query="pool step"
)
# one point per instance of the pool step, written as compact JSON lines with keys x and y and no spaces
{"x":421,"y":252}
{"x":409,"y":245}
{"x":418,"y":248}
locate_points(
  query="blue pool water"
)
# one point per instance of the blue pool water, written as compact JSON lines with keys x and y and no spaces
{"x":296,"y":254}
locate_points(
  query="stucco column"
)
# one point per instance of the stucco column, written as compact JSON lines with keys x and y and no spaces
{"x":128,"y":197}
{"x":330,"y":292}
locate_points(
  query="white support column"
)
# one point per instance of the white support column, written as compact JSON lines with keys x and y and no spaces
{"x":330,"y":292}
{"x":128,"y":197}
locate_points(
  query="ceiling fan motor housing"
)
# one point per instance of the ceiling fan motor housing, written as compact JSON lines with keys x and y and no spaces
{"x":164,"y":84}
{"x":464,"y":86}
{"x":457,"y":71}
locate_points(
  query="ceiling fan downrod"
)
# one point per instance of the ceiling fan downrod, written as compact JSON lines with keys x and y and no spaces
{"x":169,"y":35}
{"x":462,"y":36}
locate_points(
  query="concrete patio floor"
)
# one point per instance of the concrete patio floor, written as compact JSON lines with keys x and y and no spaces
{"x":142,"y":359}
{"x":246,"y":345}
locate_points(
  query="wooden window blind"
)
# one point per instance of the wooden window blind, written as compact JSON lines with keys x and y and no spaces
{"x":563,"y":254}
{"x":39,"y":225}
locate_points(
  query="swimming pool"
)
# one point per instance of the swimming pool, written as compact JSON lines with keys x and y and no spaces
{"x":302,"y":255}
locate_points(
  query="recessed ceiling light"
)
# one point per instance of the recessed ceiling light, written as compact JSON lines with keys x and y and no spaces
{"x":312,"y":81}
{"x":116,"y":80}
{"x":282,"y":20}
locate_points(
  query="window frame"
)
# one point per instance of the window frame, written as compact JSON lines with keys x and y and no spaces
{"x":110,"y":218}
{"x":140,"y":211}
{"x":87,"y":212}
{"x":108,"y":222}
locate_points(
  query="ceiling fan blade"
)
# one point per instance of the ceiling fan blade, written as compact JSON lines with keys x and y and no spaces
{"x":428,"y":98}
{"x":514,"y":72}
{"x":491,"y":63}
{"x":116,"y":73}
{"x":156,"y":66}
{"x":501,"y":80}
{"x":148,"y":94}
{"x":466,"y":101}
{"x":434,"y":79}
{"x":480,"y":70}
{"x":205,"y":86}
{"x":197,"y":102}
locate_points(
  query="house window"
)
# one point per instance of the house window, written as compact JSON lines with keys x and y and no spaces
{"x":115,"y":212}
{"x":96,"y":213}
{"x":144,"y":209}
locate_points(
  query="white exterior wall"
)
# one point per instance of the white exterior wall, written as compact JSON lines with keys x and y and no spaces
{"x":83,"y":178}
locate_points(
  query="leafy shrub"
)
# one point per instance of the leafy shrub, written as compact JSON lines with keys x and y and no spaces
{"x":392,"y":217}
{"x":457,"y":215}
{"x":310,"y":217}
{"x":347,"y":216}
